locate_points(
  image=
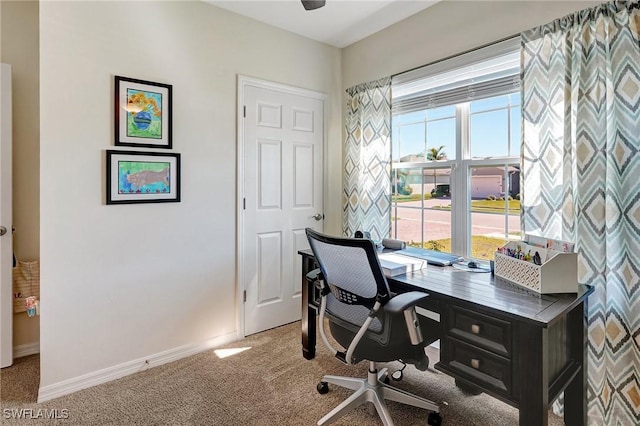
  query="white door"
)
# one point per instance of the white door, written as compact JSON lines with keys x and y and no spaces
{"x":282,"y":146}
{"x":6,"y":249}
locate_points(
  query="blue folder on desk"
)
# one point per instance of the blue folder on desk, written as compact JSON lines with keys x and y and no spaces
{"x":432,"y":257}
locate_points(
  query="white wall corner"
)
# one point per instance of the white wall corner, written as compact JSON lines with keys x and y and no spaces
{"x":88,"y":380}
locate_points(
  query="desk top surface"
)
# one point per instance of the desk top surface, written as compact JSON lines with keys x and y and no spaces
{"x":488,"y":291}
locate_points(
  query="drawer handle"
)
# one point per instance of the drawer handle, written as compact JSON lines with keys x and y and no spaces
{"x":475,"y":363}
{"x":475,"y":329}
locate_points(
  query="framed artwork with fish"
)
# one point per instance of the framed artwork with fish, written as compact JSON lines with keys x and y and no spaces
{"x":142,"y":113}
{"x":142,"y":177}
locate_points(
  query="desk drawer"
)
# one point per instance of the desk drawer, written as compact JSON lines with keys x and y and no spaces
{"x":480,"y":330}
{"x":479,"y":366}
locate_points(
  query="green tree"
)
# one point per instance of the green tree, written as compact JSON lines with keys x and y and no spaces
{"x":400,"y":186}
{"x":433,"y":154}
{"x":436,"y":153}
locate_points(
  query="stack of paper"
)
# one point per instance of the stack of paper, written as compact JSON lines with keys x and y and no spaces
{"x":396,"y":264}
{"x":557,"y":245}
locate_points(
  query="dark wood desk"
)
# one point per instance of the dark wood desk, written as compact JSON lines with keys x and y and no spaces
{"x":495,"y":337}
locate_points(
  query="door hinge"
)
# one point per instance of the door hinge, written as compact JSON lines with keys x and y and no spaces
{"x":244,"y":111}
{"x":244,"y":204}
{"x":244,"y":296}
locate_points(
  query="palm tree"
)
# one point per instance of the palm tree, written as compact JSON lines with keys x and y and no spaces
{"x":434,"y":154}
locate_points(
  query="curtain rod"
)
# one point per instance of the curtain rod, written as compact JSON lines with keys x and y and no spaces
{"x":456,"y":55}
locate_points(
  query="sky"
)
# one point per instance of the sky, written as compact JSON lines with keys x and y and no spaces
{"x":488,"y":129}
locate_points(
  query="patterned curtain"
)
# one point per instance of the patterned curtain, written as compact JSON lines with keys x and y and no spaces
{"x":581,"y":181}
{"x":366,"y":196}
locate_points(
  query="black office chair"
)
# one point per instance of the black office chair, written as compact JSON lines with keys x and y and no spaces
{"x":370,"y":322}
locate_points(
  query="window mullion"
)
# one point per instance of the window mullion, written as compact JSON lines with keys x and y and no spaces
{"x":426,"y":138}
{"x":507,"y":194}
{"x":422,"y":210}
{"x":509,"y":125}
{"x":460,"y":192}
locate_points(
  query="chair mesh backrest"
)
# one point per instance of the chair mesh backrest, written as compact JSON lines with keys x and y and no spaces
{"x":346,"y":267}
{"x":349,"y":268}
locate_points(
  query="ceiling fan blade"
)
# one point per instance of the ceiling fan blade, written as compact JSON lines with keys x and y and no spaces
{"x":312,"y":4}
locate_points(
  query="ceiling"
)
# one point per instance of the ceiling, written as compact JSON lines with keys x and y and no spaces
{"x":339,"y":23}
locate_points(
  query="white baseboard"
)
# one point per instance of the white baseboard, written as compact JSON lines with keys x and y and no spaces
{"x":27,"y":349}
{"x":88,"y":380}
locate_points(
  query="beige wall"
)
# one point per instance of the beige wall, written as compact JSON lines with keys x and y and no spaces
{"x":121,"y":282}
{"x":445,"y":29}
{"x":125,"y":282}
{"x":19,"y":47}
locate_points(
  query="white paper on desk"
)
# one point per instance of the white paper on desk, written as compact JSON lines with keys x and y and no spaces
{"x":396,"y":264}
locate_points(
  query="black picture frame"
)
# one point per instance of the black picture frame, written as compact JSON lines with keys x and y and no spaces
{"x":142,"y":113}
{"x":142,"y":177}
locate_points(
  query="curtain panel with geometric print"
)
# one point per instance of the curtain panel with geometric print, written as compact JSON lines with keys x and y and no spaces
{"x":581,"y":181}
{"x":366,"y":196}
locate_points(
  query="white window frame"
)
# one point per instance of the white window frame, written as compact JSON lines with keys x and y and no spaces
{"x":425,"y":80}
{"x":460,"y":178}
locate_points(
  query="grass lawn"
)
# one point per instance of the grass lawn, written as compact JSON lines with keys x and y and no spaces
{"x":489,"y":206}
{"x":412,"y":197}
{"x":481,"y":247}
{"x":496,"y":206}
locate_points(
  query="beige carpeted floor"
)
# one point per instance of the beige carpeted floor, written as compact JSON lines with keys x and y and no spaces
{"x":267,"y":384}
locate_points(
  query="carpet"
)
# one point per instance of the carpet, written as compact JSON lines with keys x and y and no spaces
{"x":267,"y":382}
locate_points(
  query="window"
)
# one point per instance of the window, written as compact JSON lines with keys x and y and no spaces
{"x":494,"y":127}
{"x":415,"y":129}
{"x":456,"y":142}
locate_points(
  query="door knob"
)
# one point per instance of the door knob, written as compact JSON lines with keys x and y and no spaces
{"x":3,"y":231}
{"x":318,"y":216}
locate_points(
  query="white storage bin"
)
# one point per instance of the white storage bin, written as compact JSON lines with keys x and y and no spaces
{"x":557,"y":274}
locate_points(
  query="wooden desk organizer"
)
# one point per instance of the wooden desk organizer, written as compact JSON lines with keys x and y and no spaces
{"x":558,"y":274}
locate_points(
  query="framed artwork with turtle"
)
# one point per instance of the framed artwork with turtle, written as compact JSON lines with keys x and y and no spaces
{"x":142,"y":113}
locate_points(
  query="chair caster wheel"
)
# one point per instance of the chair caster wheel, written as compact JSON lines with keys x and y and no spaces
{"x":434,"y":419}
{"x":323,"y":387}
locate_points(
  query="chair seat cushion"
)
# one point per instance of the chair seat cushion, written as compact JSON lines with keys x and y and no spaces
{"x":377,"y":347}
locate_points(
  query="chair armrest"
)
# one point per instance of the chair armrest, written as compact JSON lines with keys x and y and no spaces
{"x":405,"y":303}
{"x":313,"y":275}
{"x":399,"y":303}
